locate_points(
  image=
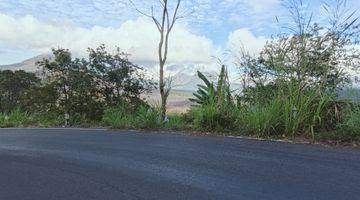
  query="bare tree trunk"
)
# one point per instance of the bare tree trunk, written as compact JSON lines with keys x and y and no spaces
{"x":164,"y":25}
{"x":162,"y":91}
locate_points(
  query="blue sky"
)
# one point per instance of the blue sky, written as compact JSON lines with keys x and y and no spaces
{"x":49,"y":23}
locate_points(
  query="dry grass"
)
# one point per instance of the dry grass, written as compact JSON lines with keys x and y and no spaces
{"x":178,"y":101}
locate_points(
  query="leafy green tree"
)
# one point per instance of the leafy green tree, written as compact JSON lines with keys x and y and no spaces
{"x":15,"y":89}
{"x":117,"y":78}
{"x":81,"y":89}
{"x":313,"y":56}
{"x":74,"y":85}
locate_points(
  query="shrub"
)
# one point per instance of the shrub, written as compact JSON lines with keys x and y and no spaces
{"x":147,"y":117}
{"x":261,"y":120}
{"x":116,"y":118}
{"x":176,"y":122}
{"x":47,"y":120}
{"x":3,"y":119}
{"x":125,"y":116}
{"x":349,"y":129}
{"x":16,"y":118}
{"x":209,"y":117}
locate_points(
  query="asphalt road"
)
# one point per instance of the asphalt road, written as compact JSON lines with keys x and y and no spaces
{"x":46,"y":164}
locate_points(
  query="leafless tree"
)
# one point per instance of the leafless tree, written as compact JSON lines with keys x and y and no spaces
{"x":164,"y":23}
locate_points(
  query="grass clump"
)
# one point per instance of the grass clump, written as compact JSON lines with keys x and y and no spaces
{"x":16,"y":118}
{"x":290,"y":112}
{"x":349,"y":129}
{"x":147,"y":118}
{"x":125,"y":116}
{"x":117,"y":118}
{"x":260,"y":120}
{"x":176,"y":122}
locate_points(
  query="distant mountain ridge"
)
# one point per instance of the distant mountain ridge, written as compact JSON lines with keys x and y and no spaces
{"x":28,"y":65}
{"x":181,"y":81}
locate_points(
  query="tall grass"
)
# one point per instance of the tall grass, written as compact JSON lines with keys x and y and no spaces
{"x":259,"y":119}
{"x":116,"y":118}
{"x":349,"y":129}
{"x":148,"y":117}
{"x":16,"y":118}
{"x":176,"y":122}
{"x":144,"y":117}
{"x":290,"y":112}
{"x":19,"y":118}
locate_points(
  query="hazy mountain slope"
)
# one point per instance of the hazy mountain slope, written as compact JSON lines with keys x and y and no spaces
{"x":27,"y":65}
{"x":186,"y":82}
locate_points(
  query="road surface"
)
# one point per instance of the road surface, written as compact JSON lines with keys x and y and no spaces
{"x":81,"y":164}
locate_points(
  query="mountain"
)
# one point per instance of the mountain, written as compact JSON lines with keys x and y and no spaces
{"x":27,"y":65}
{"x":182,"y":81}
{"x":187,"y":82}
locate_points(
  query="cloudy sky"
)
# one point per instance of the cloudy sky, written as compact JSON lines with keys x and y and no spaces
{"x":32,"y":27}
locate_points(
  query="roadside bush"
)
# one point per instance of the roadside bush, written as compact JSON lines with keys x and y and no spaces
{"x":291,"y":111}
{"x":349,"y":129}
{"x":3,"y":119}
{"x":47,"y":120}
{"x":147,"y":118}
{"x":215,"y":108}
{"x":209,"y":117}
{"x":261,"y":120}
{"x":116,"y":118}
{"x":16,"y":118}
{"x":176,"y":122}
{"x":126,"y":116}
{"x":304,"y":111}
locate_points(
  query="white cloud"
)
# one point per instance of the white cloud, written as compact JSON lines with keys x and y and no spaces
{"x":138,"y":37}
{"x":245,"y":39}
{"x":261,"y":5}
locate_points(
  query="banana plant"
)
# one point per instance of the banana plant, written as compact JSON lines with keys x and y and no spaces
{"x":211,"y":93}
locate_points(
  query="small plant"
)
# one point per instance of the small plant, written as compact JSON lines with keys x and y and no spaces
{"x":262,"y":120}
{"x":47,"y":120}
{"x":125,"y":116}
{"x":3,"y":119}
{"x":349,"y":130}
{"x":147,"y":117}
{"x":16,"y":118}
{"x":116,"y":118}
{"x":175,"y":122}
{"x":215,"y":105}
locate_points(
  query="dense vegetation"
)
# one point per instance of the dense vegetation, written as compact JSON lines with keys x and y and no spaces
{"x":290,"y":90}
{"x":69,"y":91}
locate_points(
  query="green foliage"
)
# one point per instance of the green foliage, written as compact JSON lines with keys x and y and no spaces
{"x":143,"y":117}
{"x":349,"y":129}
{"x":205,"y":92}
{"x":176,"y":122}
{"x":117,"y":118}
{"x":19,"y":118}
{"x":214,"y":93}
{"x":76,"y":91}
{"x":208,"y":118}
{"x":216,"y":107}
{"x":147,"y":118}
{"x":291,"y":112}
{"x":16,"y":89}
{"x":80,"y":90}
{"x":47,"y":120}
{"x":117,"y":79}
{"x":15,"y":118}
{"x":260,"y":120}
